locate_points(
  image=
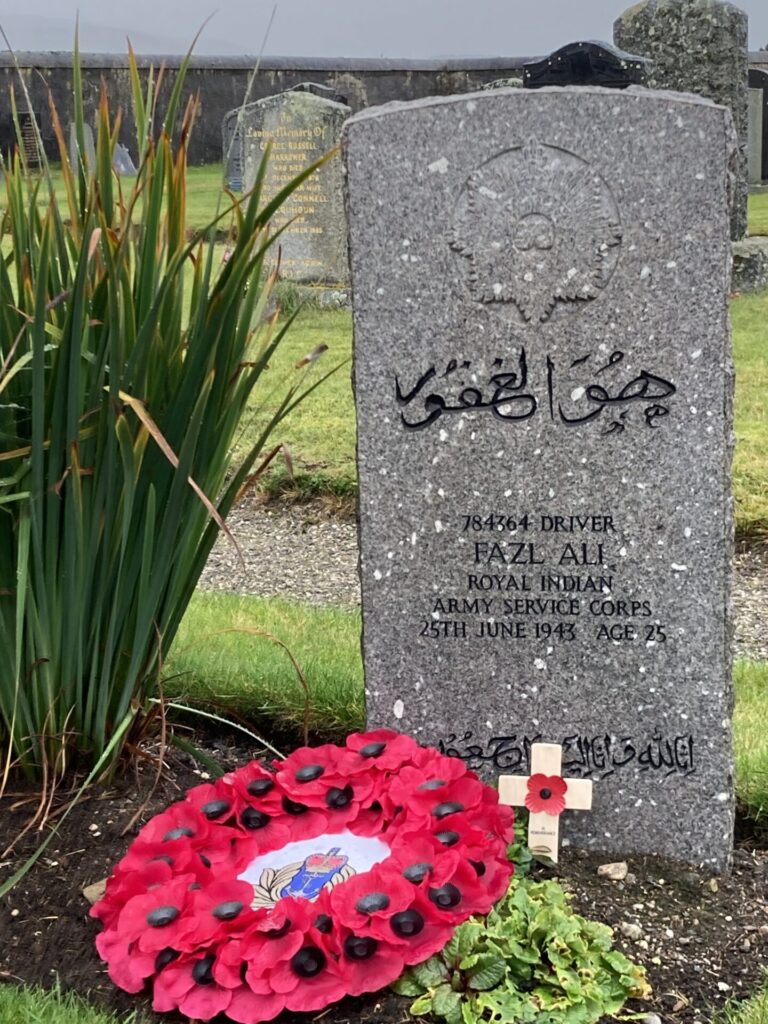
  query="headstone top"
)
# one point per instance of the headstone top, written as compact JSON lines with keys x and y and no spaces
{"x":324,"y":91}
{"x":587,"y":63}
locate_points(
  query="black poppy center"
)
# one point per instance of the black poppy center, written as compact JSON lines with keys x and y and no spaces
{"x":178,"y":833}
{"x":293,"y":807}
{"x":407,"y":923}
{"x":164,"y":957}
{"x":416,"y":873}
{"x":447,"y":838}
{"x":372,"y":902}
{"x":449,"y":807}
{"x":308,"y":962}
{"x":373,"y":749}
{"x":309,"y":773}
{"x":215,"y":808}
{"x":479,"y":866}
{"x":337,"y":799}
{"x":202,"y":972}
{"x":445,"y":897}
{"x":260,"y":787}
{"x":323,"y":923}
{"x":360,"y":947}
{"x":227,"y":911}
{"x":163,"y":857}
{"x":545,"y":794}
{"x":253,"y":819}
{"x":278,"y":933}
{"x":432,"y":784}
{"x":160,"y":917}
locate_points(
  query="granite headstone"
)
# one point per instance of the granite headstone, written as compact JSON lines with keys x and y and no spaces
{"x":543,"y":385}
{"x":301,"y":126}
{"x":697,"y":46}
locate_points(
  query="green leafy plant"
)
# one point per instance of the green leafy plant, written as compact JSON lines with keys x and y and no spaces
{"x":127,"y":355}
{"x":532,"y":960}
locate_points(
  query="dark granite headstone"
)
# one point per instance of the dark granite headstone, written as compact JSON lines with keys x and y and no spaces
{"x":543,"y":384}
{"x":301,"y":126}
{"x":697,"y":46}
{"x":586,"y":63}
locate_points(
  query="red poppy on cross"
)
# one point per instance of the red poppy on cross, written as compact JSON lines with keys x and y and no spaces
{"x":546,"y":794}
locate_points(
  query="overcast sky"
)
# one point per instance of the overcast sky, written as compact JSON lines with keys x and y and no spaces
{"x":326,"y":28}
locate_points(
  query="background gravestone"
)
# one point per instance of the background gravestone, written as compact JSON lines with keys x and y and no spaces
{"x":589,"y":62}
{"x":122,"y":161}
{"x":89,"y":156}
{"x":232,"y":149}
{"x":302,"y":126}
{"x":697,"y":46}
{"x":759,"y":80}
{"x":543,"y":386}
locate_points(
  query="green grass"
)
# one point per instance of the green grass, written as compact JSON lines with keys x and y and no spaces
{"x":750,"y":1011}
{"x":749,"y":315}
{"x":750,"y":740}
{"x":33,"y":1006}
{"x":757,"y":213}
{"x":252,"y":677}
{"x":320,"y":433}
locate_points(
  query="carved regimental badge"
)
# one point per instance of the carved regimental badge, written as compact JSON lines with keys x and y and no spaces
{"x":535,"y":227}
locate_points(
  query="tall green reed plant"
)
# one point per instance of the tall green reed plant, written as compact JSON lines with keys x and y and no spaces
{"x":127,"y":356}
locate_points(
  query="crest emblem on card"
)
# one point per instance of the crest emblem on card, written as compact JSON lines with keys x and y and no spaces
{"x":536,"y":228}
{"x":303,"y":880}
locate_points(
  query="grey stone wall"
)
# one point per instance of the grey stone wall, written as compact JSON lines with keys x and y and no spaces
{"x":222,"y":82}
{"x":697,"y":46}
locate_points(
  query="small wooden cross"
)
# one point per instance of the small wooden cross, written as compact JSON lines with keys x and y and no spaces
{"x":546,"y":794}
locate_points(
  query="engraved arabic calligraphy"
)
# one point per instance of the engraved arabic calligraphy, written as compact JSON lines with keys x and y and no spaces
{"x":534,"y":227}
{"x":507,"y":396}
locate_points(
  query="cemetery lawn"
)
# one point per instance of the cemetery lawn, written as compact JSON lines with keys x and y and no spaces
{"x":320,"y":433}
{"x":757,"y":213}
{"x":749,"y":316}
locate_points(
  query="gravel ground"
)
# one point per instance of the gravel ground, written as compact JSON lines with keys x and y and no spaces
{"x":308,"y":552}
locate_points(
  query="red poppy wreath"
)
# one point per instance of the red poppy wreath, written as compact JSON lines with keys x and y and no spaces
{"x":292,"y":888}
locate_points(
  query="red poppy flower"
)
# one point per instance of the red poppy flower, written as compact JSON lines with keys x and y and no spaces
{"x":382,"y":750}
{"x":247,"y":1006}
{"x":289,"y":889}
{"x":546,"y":794}
{"x":367,"y":964}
